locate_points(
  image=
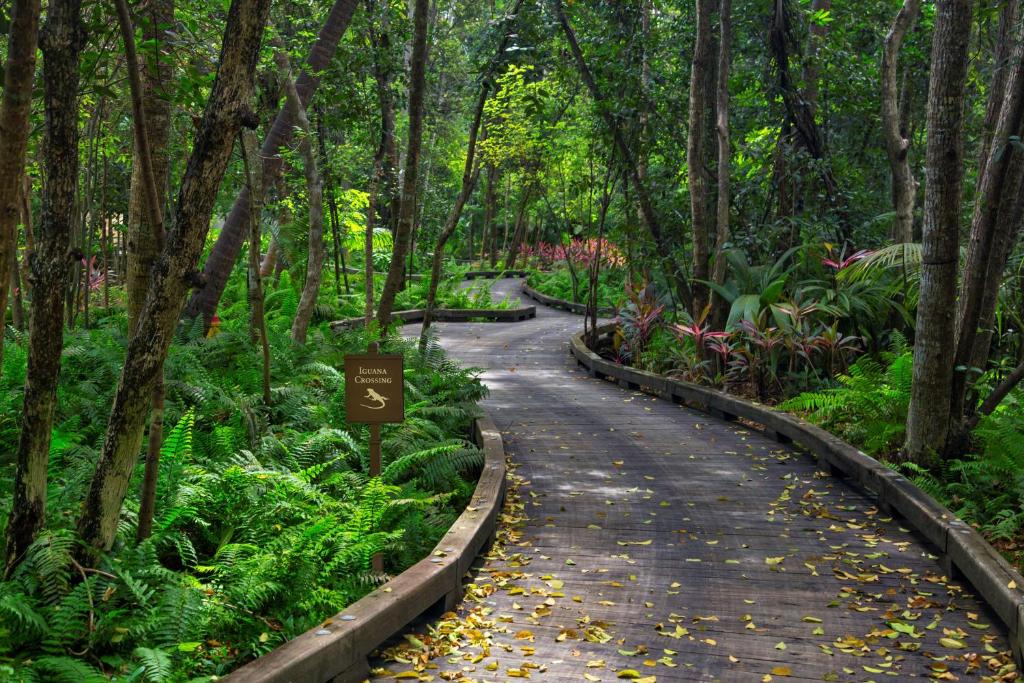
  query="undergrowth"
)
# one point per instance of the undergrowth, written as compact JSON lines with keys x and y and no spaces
{"x":266,"y":519}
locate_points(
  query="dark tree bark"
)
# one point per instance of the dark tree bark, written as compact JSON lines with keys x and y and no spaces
{"x":698,"y":153}
{"x":723,"y":234}
{"x":514,"y":244}
{"x":407,"y":215}
{"x":250,"y":149}
{"x":383,"y":73}
{"x":19,"y":73}
{"x":897,"y":143}
{"x":226,"y":110}
{"x":236,"y":226}
{"x":671,"y":265}
{"x":151,"y":114}
{"x":489,"y":243}
{"x":928,"y":415}
{"x":61,"y":40}
{"x":315,"y":199}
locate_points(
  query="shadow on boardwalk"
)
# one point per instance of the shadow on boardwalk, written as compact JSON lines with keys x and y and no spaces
{"x":647,"y":541}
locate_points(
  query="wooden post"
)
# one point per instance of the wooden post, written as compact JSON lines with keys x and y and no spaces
{"x":375,"y":465}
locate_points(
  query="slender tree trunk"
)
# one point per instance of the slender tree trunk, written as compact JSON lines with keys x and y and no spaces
{"x":812,"y":66}
{"x":520,"y":229}
{"x":897,"y":144}
{"x":15,"y":108}
{"x":61,"y":40}
{"x":314,"y":198}
{"x":152,"y":125}
{"x":17,"y":305}
{"x":250,"y":149}
{"x":928,"y":416}
{"x":470,"y":174}
{"x":998,"y":193}
{"x":673,"y":269}
{"x":384,"y":76}
{"x":403,"y":235}
{"x":340,"y":267}
{"x":226,"y":110}
{"x":698,"y":159}
{"x":488,"y":237}
{"x":236,"y":226}
{"x":723,"y":232}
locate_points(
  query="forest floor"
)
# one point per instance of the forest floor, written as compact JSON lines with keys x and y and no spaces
{"x":647,"y":541}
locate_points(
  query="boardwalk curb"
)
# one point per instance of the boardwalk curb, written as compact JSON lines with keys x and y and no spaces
{"x":962,"y":549}
{"x":337,"y":650}
{"x":562,"y":304}
{"x":448,"y":315}
{"x":494,"y":274}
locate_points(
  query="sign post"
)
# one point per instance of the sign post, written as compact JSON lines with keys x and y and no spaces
{"x":375,"y":395}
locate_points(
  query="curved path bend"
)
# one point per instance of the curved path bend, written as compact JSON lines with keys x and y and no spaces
{"x":653,"y":542}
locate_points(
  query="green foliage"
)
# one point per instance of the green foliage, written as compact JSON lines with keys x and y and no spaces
{"x":869,"y":405}
{"x":266,"y":518}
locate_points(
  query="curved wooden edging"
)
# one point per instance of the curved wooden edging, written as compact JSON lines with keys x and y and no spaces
{"x":448,"y":315}
{"x":564,"y":305}
{"x":494,"y":274}
{"x":961,"y":548}
{"x":337,"y":650}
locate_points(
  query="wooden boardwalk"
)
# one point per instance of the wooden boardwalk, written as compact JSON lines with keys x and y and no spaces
{"x":650,"y":542}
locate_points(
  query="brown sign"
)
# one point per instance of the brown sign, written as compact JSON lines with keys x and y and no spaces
{"x":374,"y":389}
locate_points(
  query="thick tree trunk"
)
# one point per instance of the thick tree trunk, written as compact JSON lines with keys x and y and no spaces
{"x":928,"y":416}
{"x":236,"y":226}
{"x":228,"y":107}
{"x":315,"y":201}
{"x":673,"y":268}
{"x":698,"y":161}
{"x":723,"y":234}
{"x":19,"y":74}
{"x":897,"y":144}
{"x":407,"y":215}
{"x":61,"y":40}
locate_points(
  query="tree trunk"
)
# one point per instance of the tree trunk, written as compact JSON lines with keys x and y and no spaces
{"x":236,"y":226}
{"x":897,"y":145}
{"x":152,"y":125}
{"x":673,"y":268}
{"x":403,"y":235}
{"x":17,"y":305}
{"x":812,"y":67}
{"x":151,"y":112}
{"x":698,"y":162}
{"x":61,"y":40}
{"x":520,"y":229}
{"x":226,"y":110}
{"x":340,"y":267}
{"x":19,"y":75}
{"x":250,"y":150}
{"x":383,"y":74}
{"x":928,"y":415}
{"x":723,"y":233}
{"x":998,"y":192}
{"x":489,"y":242}
{"x":315,"y":199}
{"x":470,"y":174}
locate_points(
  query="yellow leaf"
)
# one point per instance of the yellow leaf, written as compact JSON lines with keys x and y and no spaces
{"x":591,"y":677}
{"x":629,"y":673}
{"x":782,"y":671}
{"x":407,"y":674}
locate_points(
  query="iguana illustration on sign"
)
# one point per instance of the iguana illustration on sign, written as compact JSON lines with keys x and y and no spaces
{"x":374,"y":388}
